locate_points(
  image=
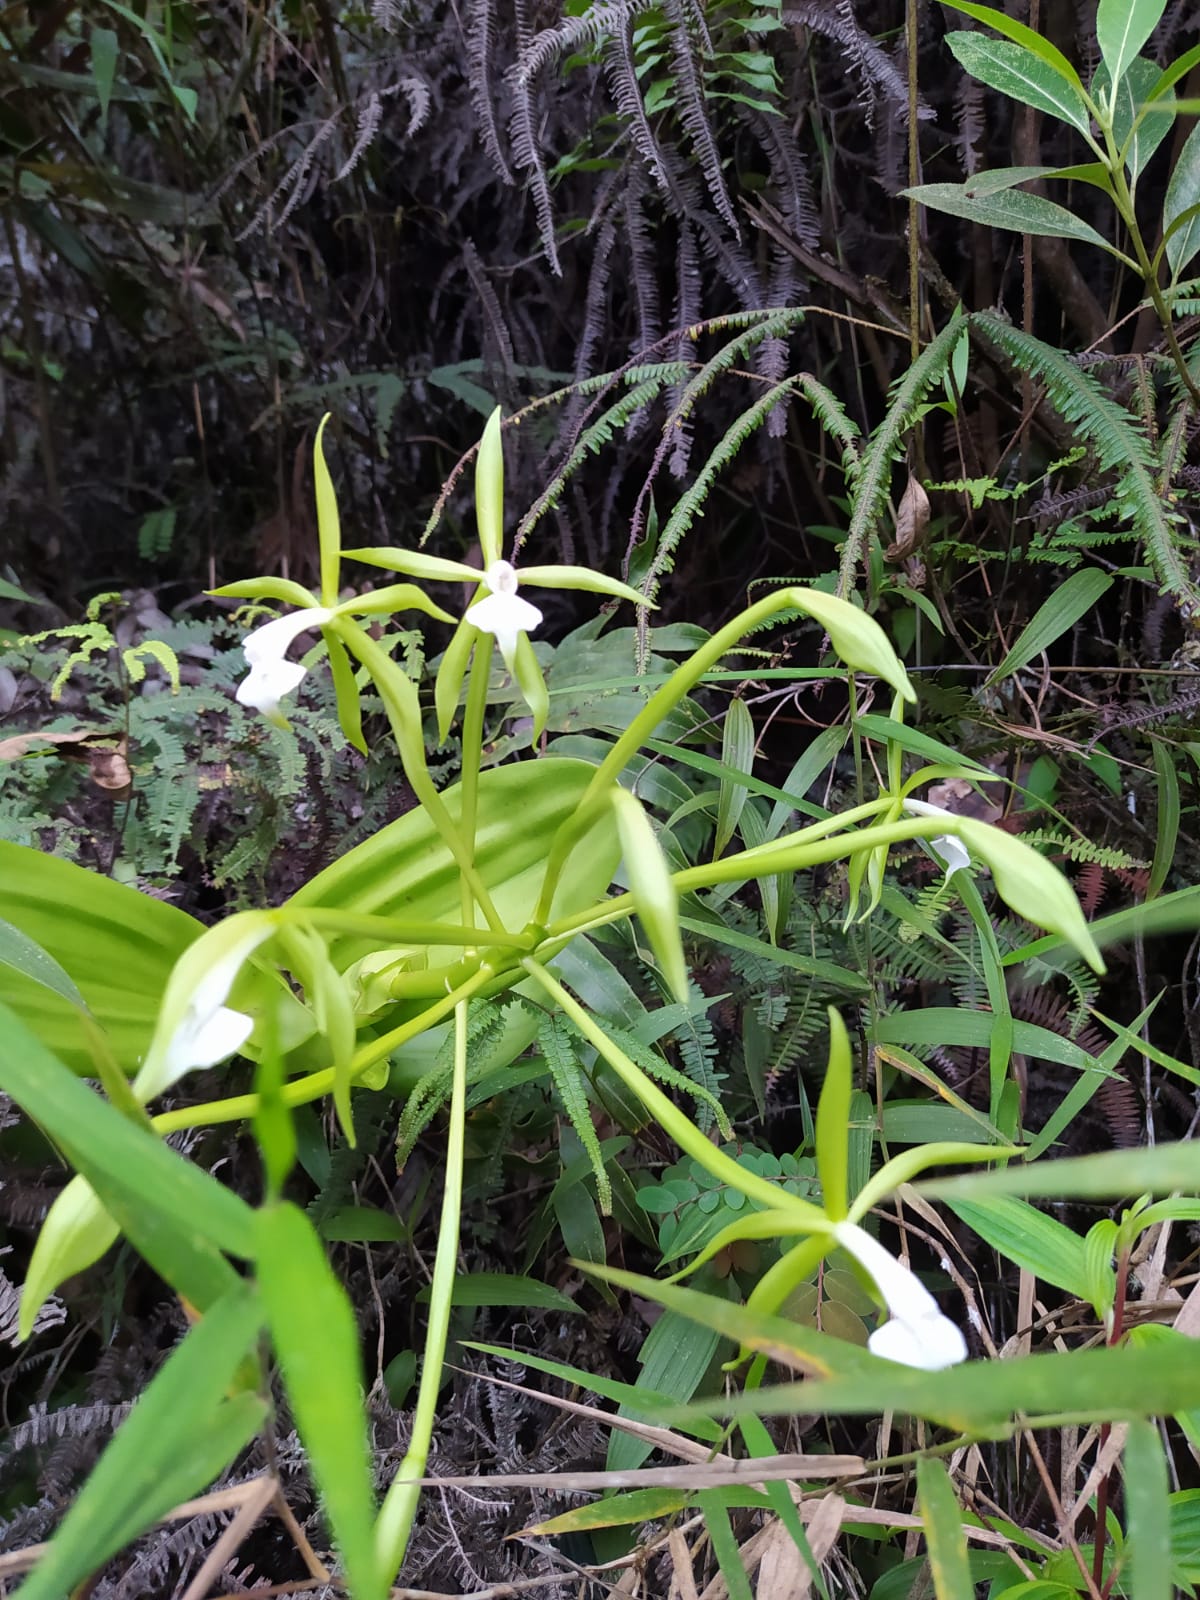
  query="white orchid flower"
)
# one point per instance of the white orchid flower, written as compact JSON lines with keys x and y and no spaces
{"x":197,"y":1028}
{"x":917,"y":1334}
{"x":271,"y":675}
{"x":503,"y":613}
{"x":952,"y":850}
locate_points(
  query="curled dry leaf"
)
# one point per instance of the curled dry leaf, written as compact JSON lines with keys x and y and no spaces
{"x":912,"y":521}
{"x":106,"y":755}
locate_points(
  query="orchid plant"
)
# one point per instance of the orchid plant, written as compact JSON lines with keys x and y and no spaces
{"x":474,"y":893}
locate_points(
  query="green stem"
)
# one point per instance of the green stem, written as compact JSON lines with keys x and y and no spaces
{"x":1124,"y":203}
{"x":315,"y":1084}
{"x":668,"y":1115}
{"x":683,"y":679}
{"x":399,"y":1507}
{"x":404,"y":713}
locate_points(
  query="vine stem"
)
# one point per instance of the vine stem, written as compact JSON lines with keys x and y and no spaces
{"x":394,"y":1525}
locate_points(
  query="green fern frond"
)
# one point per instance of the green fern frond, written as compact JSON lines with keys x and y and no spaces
{"x":656,"y":1067}
{"x":1117,"y":442}
{"x":1081,"y":850}
{"x":557,"y":1039}
{"x":872,"y":477}
{"x":690,"y":504}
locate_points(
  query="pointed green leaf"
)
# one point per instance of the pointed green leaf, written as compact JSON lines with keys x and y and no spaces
{"x":532,"y":684}
{"x":1072,"y":599}
{"x":1015,"y":71}
{"x":1138,"y":139}
{"x":105,"y":50}
{"x":582,"y":578}
{"x":1011,"y":208}
{"x":1031,"y":1239}
{"x":182,"y":1434}
{"x":447,"y":689}
{"x":1031,"y":885}
{"x":119,"y":1158}
{"x":737,"y":754}
{"x":281,"y":589}
{"x":345,"y":689}
{"x":1020,"y":34}
{"x":1183,"y":193}
{"x":1122,"y":28}
{"x":315,"y":1335}
{"x":856,"y":637}
{"x":416,"y":564}
{"x":1147,"y":1513}
{"x":942,"y":1520}
{"x":833,"y":1121}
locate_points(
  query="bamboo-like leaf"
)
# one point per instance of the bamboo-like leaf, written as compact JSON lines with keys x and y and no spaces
{"x":737,"y":754}
{"x":315,"y":1335}
{"x":1029,"y":1238}
{"x":1011,"y":209}
{"x":944,"y":1536}
{"x":115,"y":1155}
{"x":1110,"y":1175}
{"x":182,"y":1433}
{"x":1073,"y":598}
{"x":1147,"y":1513}
{"x":1016,"y":71}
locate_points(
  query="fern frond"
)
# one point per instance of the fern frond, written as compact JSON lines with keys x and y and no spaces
{"x":556,"y":1037}
{"x":692,"y":107}
{"x":690,"y":504}
{"x":656,"y":1067}
{"x":873,"y":474}
{"x":1083,"y":850}
{"x":481,"y":53}
{"x":1117,"y":441}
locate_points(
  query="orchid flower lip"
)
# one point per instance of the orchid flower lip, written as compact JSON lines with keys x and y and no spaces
{"x":271,"y":675}
{"x":502,"y":612}
{"x":917,"y":1334}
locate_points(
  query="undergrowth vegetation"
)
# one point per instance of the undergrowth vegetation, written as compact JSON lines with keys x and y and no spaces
{"x":599,"y":967}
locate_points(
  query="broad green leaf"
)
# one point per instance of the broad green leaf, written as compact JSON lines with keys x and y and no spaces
{"x":76,"y":1233}
{"x":1183,"y":193}
{"x":833,"y":1121}
{"x":120,"y":1159}
{"x":182,"y":1433}
{"x":1147,"y":1513}
{"x":1010,"y":208}
{"x":315,"y":1336}
{"x":1015,"y":71}
{"x":1072,"y":599}
{"x":952,"y":1026}
{"x":737,"y":754}
{"x":405,"y":870}
{"x":1138,"y":139}
{"x":631,"y":1506}
{"x":654,"y":892}
{"x":876,"y":726}
{"x":723,"y":1542}
{"x":1111,"y":1175}
{"x":25,"y":956}
{"x":1170,"y":76}
{"x":362,"y":1225}
{"x":1122,"y":28}
{"x":944,"y":1536}
{"x":674,"y":1357}
{"x":115,"y":945}
{"x":1029,"y":1238}
{"x":1020,"y":34}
